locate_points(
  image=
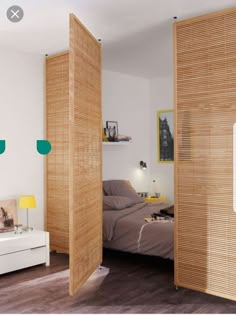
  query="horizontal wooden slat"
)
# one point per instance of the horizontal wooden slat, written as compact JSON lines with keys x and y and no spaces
{"x":57,"y":98}
{"x":85,"y":155}
{"x":205,"y":87}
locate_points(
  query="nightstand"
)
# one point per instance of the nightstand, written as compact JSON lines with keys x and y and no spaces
{"x":160,"y":199}
{"x":18,"y":251}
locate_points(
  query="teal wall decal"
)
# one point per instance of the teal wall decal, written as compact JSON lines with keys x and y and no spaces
{"x":43,"y":147}
{"x":2,"y":146}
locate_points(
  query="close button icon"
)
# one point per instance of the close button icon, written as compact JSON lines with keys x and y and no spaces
{"x":15,"y":14}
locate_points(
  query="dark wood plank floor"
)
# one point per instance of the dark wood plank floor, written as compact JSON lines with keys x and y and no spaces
{"x":134,"y":284}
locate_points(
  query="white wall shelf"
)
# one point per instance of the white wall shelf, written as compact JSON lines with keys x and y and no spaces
{"x":116,"y":143}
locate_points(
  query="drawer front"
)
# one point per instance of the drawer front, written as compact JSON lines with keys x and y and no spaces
{"x":23,"y":259}
{"x":19,"y":242}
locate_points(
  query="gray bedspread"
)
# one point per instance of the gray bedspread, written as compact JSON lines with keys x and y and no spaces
{"x":126,"y":230}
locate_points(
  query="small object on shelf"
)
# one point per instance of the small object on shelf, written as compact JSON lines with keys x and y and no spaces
{"x":18,"y":228}
{"x":158,"y":215}
{"x":168,"y":211}
{"x":112,"y":130}
{"x":143,"y":194}
{"x":121,"y":138}
{"x":154,"y":188}
{"x":7,"y":221}
{"x":104,"y":135}
{"x":158,"y":219}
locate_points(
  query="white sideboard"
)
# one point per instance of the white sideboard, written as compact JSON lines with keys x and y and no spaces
{"x":23,"y":250}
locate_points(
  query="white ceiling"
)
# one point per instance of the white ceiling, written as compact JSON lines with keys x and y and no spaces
{"x":136,"y":34}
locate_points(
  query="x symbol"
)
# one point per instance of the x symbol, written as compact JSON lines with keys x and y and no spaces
{"x":15,"y":14}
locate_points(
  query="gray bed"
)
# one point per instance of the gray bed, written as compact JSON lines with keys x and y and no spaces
{"x":126,"y":230}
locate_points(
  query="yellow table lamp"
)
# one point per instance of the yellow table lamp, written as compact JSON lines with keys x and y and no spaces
{"x":27,"y":202}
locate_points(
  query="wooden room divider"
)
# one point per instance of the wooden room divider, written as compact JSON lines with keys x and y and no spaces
{"x":73,"y":168}
{"x":205,"y":113}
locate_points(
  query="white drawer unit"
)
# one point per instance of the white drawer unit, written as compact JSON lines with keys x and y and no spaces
{"x":24,"y":250}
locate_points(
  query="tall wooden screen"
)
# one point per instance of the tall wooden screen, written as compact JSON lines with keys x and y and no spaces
{"x":205,"y":111}
{"x":85,"y":194}
{"x":57,"y":162}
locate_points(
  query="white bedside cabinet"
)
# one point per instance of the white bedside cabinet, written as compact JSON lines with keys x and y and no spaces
{"x":19,"y":251}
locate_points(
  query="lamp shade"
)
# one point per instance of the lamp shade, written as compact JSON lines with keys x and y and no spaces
{"x":27,"y":201}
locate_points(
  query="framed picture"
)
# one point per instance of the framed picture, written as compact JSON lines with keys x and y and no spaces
{"x":8,"y":215}
{"x":165,"y":136}
{"x":112,"y":130}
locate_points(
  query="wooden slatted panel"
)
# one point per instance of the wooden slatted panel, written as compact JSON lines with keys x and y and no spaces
{"x":57,"y":162}
{"x":85,"y":155}
{"x":205,"y":227}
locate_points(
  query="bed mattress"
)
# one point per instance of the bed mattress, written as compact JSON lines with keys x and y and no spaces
{"x":126,"y":230}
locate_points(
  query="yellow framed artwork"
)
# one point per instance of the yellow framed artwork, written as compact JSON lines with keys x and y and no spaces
{"x":165,"y":136}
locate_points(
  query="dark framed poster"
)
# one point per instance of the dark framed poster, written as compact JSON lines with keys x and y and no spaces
{"x":165,"y":136}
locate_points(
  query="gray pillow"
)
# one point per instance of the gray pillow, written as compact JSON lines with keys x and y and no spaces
{"x":121,"y":188}
{"x":116,"y":202}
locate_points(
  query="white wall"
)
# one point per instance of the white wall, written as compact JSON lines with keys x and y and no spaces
{"x":134,"y":102}
{"x":22,"y":123}
{"x":162,"y":98}
{"x":126,"y":99}
{"x":161,"y":94}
